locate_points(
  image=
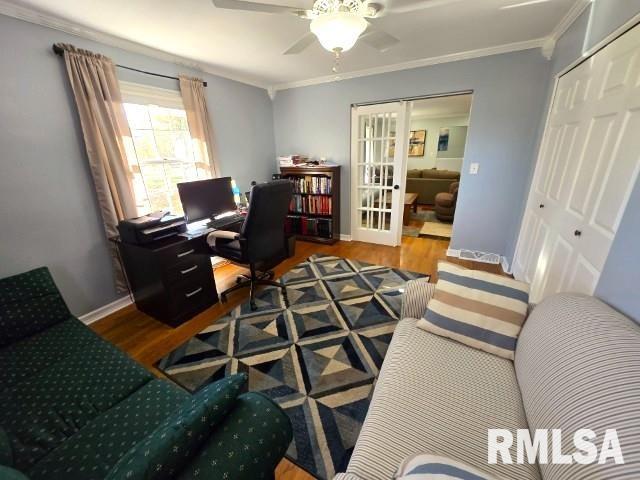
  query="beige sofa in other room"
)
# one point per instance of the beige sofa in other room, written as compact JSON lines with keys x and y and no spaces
{"x":429,"y":182}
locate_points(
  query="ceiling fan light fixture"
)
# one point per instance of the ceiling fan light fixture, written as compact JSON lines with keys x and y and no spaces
{"x":338,"y":31}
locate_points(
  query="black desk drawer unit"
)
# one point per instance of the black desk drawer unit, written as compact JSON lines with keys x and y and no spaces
{"x":171,"y":280}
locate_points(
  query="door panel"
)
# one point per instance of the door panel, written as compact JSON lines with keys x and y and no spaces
{"x":584,"y":277}
{"x":617,"y":186}
{"x":536,"y":260}
{"x":557,"y":266}
{"x":589,"y":162}
{"x":564,"y":153}
{"x":591,"y":167}
{"x":377,"y":166}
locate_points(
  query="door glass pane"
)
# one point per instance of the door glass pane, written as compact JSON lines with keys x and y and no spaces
{"x":375,"y":150}
{"x":387,"y":221}
{"x":393,"y":122}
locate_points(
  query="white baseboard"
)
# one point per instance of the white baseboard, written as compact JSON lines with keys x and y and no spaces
{"x":345,"y":238}
{"x":506,"y":268}
{"x":105,"y":310}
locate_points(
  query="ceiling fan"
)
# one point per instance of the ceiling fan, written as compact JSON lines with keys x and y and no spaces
{"x":337,"y":24}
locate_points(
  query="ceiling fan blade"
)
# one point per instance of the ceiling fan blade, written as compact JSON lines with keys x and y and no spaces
{"x":422,"y":5}
{"x":378,"y":39}
{"x":255,"y":7}
{"x":306,"y":40}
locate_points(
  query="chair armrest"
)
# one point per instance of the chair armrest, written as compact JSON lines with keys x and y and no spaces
{"x":417,"y":294}
{"x":248,"y":445}
{"x":224,"y":234}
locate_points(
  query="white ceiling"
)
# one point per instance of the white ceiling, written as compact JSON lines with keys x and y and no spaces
{"x":452,"y":106}
{"x":249,"y":45}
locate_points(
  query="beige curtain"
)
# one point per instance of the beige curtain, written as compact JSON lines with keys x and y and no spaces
{"x":195,"y":104}
{"x":104,"y":127}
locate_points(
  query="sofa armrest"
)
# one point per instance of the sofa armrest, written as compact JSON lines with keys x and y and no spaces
{"x":29,"y":303}
{"x":247,"y":445}
{"x":417,"y":294}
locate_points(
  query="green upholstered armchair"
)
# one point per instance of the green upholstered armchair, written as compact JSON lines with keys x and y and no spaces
{"x":76,"y":407}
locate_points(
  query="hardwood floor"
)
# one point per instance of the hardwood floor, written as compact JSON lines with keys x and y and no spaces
{"x":148,"y":340}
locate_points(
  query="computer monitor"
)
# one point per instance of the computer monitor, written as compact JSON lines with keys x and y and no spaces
{"x":206,"y":198}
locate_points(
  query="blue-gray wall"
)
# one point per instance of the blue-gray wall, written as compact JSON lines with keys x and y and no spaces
{"x":509,"y":94}
{"x":48,"y":209}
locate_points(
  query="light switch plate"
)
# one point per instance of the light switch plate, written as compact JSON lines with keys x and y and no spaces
{"x":473,"y":168}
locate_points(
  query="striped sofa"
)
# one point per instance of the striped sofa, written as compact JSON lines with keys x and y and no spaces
{"x":577,"y":365}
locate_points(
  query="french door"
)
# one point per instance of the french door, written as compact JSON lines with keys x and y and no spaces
{"x":588,"y":164}
{"x":379,"y":142}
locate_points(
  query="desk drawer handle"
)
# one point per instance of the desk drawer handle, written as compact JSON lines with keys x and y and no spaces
{"x":184,"y":254}
{"x":188,"y":270}
{"x":191,"y":294}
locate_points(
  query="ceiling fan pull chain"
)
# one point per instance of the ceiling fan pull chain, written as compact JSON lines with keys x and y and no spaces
{"x":336,"y":61}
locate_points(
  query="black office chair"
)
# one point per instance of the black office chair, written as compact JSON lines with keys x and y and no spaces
{"x":261,"y":243}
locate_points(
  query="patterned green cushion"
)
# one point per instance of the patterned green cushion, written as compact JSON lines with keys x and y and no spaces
{"x":45,"y":410}
{"x":22,"y":359}
{"x":93,"y":451}
{"x":252,"y":441}
{"x":29,"y":302}
{"x":6,"y":453}
{"x":166,"y":450}
{"x":7,"y":473}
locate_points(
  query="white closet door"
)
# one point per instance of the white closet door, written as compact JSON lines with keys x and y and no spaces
{"x":379,"y":140}
{"x":588,"y":165}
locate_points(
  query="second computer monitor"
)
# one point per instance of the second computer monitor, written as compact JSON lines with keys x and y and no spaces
{"x":206,"y":198}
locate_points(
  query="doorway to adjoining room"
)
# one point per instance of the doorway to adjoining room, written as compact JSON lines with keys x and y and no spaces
{"x":437,"y":140}
{"x":408,"y":187}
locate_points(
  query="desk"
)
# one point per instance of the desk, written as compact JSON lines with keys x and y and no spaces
{"x":171,"y":279}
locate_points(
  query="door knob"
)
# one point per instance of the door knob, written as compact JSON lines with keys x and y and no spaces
{"x":396,"y":187}
{"x":577,"y":233}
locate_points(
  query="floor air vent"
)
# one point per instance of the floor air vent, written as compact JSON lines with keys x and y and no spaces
{"x":480,"y":256}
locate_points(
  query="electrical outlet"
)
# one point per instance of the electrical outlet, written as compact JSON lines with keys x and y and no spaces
{"x":473,"y":168}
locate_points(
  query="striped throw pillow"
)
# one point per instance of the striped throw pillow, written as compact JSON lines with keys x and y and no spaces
{"x":432,"y":467}
{"x":480,"y":309}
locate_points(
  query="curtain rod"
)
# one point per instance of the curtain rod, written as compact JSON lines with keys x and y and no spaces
{"x":59,"y":51}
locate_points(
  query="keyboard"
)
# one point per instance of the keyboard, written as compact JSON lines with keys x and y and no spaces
{"x":224,"y":222}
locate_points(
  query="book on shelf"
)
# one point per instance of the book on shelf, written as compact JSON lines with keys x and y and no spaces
{"x":302,"y":225}
{"x":311,"y":184}
{"x":316,"y":204}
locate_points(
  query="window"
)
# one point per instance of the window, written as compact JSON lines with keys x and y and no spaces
{"x":160,"y":152}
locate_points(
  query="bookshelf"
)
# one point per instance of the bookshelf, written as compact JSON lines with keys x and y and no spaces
{"x":314,"y":213}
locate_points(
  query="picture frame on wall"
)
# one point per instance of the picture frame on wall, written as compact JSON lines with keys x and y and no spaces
{"x":417,"y":140}
{"x":443,"y":140}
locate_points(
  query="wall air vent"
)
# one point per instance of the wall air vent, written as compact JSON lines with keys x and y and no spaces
{"x":483,"y":257}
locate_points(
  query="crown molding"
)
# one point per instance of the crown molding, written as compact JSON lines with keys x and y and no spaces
{"x":572,"y":15}
{"x":34,"y":16}
{"x":37,"y":17}
{"x":574,"y":12}
{"x":423,"y":62}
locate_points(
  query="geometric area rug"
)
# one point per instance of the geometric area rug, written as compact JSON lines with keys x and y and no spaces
{"x":318,"y":359}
